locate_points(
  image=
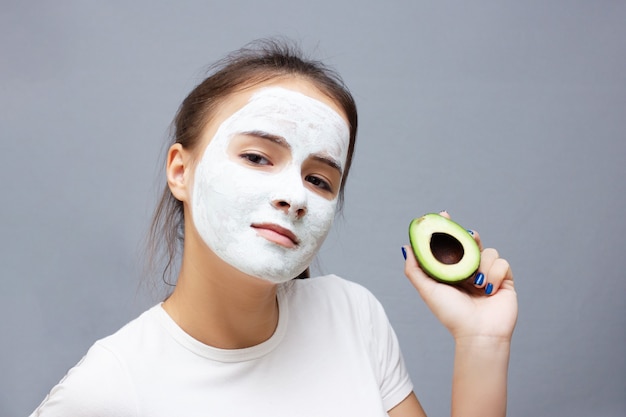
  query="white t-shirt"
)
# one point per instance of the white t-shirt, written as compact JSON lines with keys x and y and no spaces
{"x":333,"y":354}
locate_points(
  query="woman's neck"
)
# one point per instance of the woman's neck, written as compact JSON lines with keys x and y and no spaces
{"x":221,"y":307}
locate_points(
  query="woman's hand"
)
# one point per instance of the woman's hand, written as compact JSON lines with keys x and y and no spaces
{"x":484,"y":307}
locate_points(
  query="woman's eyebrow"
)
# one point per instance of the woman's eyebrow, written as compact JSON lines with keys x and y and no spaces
{"x":279,"y":140}
{"x":328,"y":161}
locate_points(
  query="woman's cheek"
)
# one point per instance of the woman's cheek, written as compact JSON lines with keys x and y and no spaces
{"x":322,"y":213}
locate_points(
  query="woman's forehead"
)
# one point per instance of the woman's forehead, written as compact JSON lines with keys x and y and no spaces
{"x":290,"y":110}
{"x":303,"y":121}
{"x":292,"y":86}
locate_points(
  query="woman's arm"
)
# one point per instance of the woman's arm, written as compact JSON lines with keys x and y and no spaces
{"x":478,"y":384}
{"x":481,"y":318}
{"x":409,"y":407}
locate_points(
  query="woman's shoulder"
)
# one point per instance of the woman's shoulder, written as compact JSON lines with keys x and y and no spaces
{"x":100,"y":384}
{"x":136,"y":329}
{"x":97,"y":385}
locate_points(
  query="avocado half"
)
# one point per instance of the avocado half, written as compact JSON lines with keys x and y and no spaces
{"x":443,"y":248}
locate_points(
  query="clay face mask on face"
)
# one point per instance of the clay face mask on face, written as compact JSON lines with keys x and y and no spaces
{"x":230,"y":197}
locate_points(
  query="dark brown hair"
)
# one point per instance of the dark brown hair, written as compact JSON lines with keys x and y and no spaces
{"x":256,"y":63}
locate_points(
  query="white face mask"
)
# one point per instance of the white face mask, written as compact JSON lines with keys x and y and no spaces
{"x":243,"y":208}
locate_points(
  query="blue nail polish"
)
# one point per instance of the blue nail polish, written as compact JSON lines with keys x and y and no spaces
{"x":489,"y":288}
{"x":480,"y":278}
{"x":471,"y":232}
{"x":404,"y":253}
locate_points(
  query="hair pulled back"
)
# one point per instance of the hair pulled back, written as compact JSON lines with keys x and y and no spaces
{"x":257,"y":62}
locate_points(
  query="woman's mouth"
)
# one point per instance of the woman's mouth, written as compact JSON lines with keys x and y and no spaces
{"x":276,"y":234}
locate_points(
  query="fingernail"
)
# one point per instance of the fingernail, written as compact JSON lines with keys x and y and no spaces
{"x":404,"y":253}
{"x":489,"y":288}
{"x":480,"y":278}
{"x":471,"y":232}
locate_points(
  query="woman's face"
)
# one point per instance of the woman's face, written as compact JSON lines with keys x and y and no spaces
{"x":265,"y":188}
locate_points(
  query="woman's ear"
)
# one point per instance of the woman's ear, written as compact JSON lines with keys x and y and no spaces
{"x":178,"y":172}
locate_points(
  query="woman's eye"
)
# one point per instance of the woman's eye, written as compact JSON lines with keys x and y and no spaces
{"x":318,"y":182}
{"x":255,"y":159}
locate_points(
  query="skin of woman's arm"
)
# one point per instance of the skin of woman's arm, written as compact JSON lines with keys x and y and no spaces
{"x":481,"y":321}
{"x":409,"y":407}
{"x":478,"y":384}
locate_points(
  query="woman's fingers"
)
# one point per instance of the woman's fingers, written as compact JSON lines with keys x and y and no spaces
{"x":476,"y":237}
{"x":497,"y":274}
{"x":487,"y":258}
{"x":492,"y":271}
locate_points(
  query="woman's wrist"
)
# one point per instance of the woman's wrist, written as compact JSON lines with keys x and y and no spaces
{"x":493,"y":349}
{"x":480,"y":371}
{"x":483,"y":342}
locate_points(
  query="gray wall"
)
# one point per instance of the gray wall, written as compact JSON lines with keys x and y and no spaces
{"x":510,"y":115}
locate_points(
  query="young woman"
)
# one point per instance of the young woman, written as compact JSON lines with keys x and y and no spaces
{"x":255,"y":175}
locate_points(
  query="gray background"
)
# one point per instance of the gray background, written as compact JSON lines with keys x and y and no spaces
{"x":510,"y":115}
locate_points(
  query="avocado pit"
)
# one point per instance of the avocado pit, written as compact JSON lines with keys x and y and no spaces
{"x":446,"y":249}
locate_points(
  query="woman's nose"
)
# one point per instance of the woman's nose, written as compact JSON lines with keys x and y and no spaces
{"x":290,"y":195}
{"x":296,"y":209}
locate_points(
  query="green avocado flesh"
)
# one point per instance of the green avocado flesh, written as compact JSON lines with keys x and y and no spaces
{"x":443,"y":248}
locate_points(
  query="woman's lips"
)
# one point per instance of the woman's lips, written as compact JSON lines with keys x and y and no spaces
{"x":276,"y":234}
